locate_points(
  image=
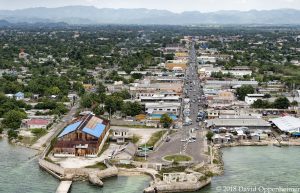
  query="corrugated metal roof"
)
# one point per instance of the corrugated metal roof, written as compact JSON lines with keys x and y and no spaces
{"x":70,"y":128}
{"x":96,"y":131}
{"x":287,"y":123}
{"x":238,"y":123}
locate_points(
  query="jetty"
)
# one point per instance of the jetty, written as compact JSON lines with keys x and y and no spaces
{"x":64,"y":187}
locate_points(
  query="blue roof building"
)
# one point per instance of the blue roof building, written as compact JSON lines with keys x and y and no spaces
{"x":19,"y":96}
{"x":82,"y":137}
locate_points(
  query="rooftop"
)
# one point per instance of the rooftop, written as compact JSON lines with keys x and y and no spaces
{"x":287,"y":123}
{"x":89,"y":124}
{"x":255,"y":122}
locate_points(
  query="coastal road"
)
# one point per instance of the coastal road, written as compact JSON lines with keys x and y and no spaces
{"x":179,"y":143}
{"x":55,"y":128}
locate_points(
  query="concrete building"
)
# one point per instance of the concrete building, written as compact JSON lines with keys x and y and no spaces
{"x":207,"y":59}
{"x":251,"y":123}
{"x":231,"y":83}
{"x":158,"y":98}
{"x":173,"y":108}
{"x":121,"y":135}
{"x":251,"y":98}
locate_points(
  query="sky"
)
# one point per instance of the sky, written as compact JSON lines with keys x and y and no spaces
{"x":171,"y":5}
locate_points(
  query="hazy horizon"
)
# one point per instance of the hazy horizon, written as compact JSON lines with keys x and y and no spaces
{"x":170,"y":5}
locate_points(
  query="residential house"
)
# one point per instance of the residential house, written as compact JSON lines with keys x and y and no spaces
{"x":19,"y":96}
{"x":36,"y":123}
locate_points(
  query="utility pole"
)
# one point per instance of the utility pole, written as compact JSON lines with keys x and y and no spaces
{"x":145,"y":153}
{"x":211,"y":154}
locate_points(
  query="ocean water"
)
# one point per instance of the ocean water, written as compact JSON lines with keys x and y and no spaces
{"x":255,"y":168}
{"x":260,"y":169}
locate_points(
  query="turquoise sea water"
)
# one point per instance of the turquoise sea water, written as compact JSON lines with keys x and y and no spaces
{"x":247,"y":167}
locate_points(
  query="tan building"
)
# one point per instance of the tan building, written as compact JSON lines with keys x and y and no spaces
{"x":176,"y":66}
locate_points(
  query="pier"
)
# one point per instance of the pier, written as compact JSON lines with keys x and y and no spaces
{"x":64,"y":187}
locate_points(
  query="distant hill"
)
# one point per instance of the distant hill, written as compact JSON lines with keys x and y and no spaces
{"x":93,"y":15}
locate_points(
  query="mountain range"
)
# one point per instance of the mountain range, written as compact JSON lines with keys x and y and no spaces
{"x":93,"y":15}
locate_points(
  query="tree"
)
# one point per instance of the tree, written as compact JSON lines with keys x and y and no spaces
{"x":209,"y":135}
{"x":101,"y":88}
{"x":166,"y":120}
{"x":294,"y":103}
{"x":53,"y":90}
{"x":261,"y":104}
{"x":98,"y":110}
{"x":113,"y":103}
{"x":131,"y":109}
{"x":242,"y":91}
{"x":281,"y":103}
{"x":86,"y":101}
{"x":78,"y":87}
{"x":13,"y":118}
{"x":12,"y":134}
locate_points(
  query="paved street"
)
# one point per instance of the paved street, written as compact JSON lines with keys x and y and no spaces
{"x":180,"y":142}
{"x":55,"y":128}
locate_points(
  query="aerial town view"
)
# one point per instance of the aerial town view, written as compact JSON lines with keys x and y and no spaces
{"x":126,"y":96}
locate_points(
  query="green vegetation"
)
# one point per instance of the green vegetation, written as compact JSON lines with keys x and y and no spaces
{"x":166,"y":120}
{"x":155,"y":137}
{"x":279,"y":103}
{"x":242,"y":91}
{"x":12,"y":119}
{"x":12,"y":134}
{"x":172,"y":170}
{"x":209,"y":135}
{"x":99,"y":165}
{"x":178,"y":158}
{"x":127,"y":166}
{"x":135,"y":139}
{"x":39,"y":132}
{"x":131,"y":109}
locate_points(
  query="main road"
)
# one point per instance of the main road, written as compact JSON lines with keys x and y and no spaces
{"x":179,"y":142}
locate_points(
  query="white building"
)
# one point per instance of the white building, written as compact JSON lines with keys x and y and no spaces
{"x":287,"y":124}
{"x":206,"y":59}
{"x":173,"y":108}
{"x":251,"y":98}
{"x":159,"y":98}
{"x":239,"y":73}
